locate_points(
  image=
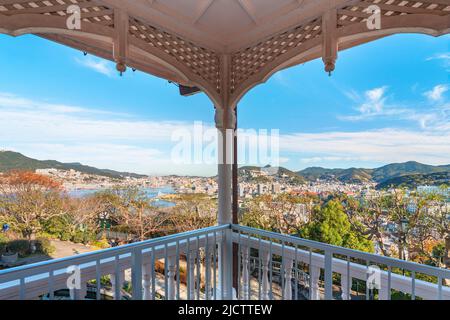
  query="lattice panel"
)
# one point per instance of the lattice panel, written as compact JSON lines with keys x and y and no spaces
{"x":90,"y":12}
{"x":201,"y":61}
{"x":357,"y":13}
{"x":249,"y":61}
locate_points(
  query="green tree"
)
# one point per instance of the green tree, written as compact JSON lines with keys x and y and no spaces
{"x":331,"y":225}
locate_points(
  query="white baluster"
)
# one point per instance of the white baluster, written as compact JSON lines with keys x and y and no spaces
{"x":171,"y":278}
{"x":344,"y":287}
{"x":288,"y":265}
{"x":117,"y":282}
{"x":208,"y":251}
{"x":383,"y":293}
{"x":245,"y":288}
{"x":265,"y":287}
{"x":83,"y":291}
{"x":147,"y":281}
{"x":315,"y":275}
{"x":80,"y":293}
{"x":191,"y":275}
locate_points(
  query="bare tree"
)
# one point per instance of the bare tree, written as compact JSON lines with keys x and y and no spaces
{"x":193,"y":211}
{"x":132,"y":209}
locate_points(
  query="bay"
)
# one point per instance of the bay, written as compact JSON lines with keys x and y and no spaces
{"x":152,"y":193}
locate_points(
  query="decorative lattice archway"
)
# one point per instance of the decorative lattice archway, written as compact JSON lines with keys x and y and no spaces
{"x":225,"y":74}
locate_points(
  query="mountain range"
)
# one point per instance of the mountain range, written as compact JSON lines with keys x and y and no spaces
{"x":10,"y":160}
{"x":408,"y":174}
{"x":381,"y":175}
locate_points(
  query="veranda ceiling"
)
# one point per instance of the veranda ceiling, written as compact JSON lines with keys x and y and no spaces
{"x":224,"y":47}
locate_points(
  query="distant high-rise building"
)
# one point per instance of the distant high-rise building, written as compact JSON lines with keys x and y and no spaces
{"x":276,"y":188}
{"x":260,"y":189}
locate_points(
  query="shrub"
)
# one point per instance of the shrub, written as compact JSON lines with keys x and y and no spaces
{"x":3,"y":238}
{"x":22,"y":247}
{"x":43,"y":245}
{"x":3,"y":243}
{"x":45,"y":235}
{"x":102,"y":244}
{"x":83,"y":237}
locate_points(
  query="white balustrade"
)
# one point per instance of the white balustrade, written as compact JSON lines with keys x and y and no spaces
{"x":315,"y":276}
{"x":346,"y":282}
{"x":31,"y":282}
{"x":171,"y":278}
{"x":245,"y":287}
{"x":265,"y":286}
{"x":191,"y":275}
{"x":147,"y":281}
{"x":287,"y":272}
{"x":117,"y":281}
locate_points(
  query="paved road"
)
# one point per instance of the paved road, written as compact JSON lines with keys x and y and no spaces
{"x":65,"y":249}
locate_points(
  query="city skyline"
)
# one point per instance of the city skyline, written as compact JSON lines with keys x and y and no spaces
{"x":370,"y":112}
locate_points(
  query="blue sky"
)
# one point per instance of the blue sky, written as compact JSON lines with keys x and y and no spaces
{"x":388,"y":101}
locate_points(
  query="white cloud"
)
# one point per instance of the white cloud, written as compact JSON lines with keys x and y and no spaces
{"x":21,"y":119}
{"x":313,"y":160}
{"x":374,"y":105}
{"x":440,"y":56}
{"x":374,"y":101}
{"x":93,"y":137}
{"x":383,"y":146}
{"x":282,"y":78}
{"x":98,"y":65}
{"x":443,"y":57}
{"x":125,"y":143}
{"x":436,"y":93}
{"x":11,"y":101}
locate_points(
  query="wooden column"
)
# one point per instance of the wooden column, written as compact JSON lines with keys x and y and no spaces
{"x":235,"y":184}
{"x":225,"y":123}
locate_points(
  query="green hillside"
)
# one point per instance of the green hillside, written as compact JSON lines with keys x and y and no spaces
{"x":10,"y":160}
{"x":352,"y":175}
{"x":414,"y":180}
{"x":280,"y":173}
{"x":399,"y":169}
{"x":379,"y":175}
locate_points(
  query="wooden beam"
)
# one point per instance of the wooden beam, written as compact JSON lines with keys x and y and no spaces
{"x":202,"y":10}
{"x":120,"y":48}
{"x":246,"y":6}
{"x":330,"y":41}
